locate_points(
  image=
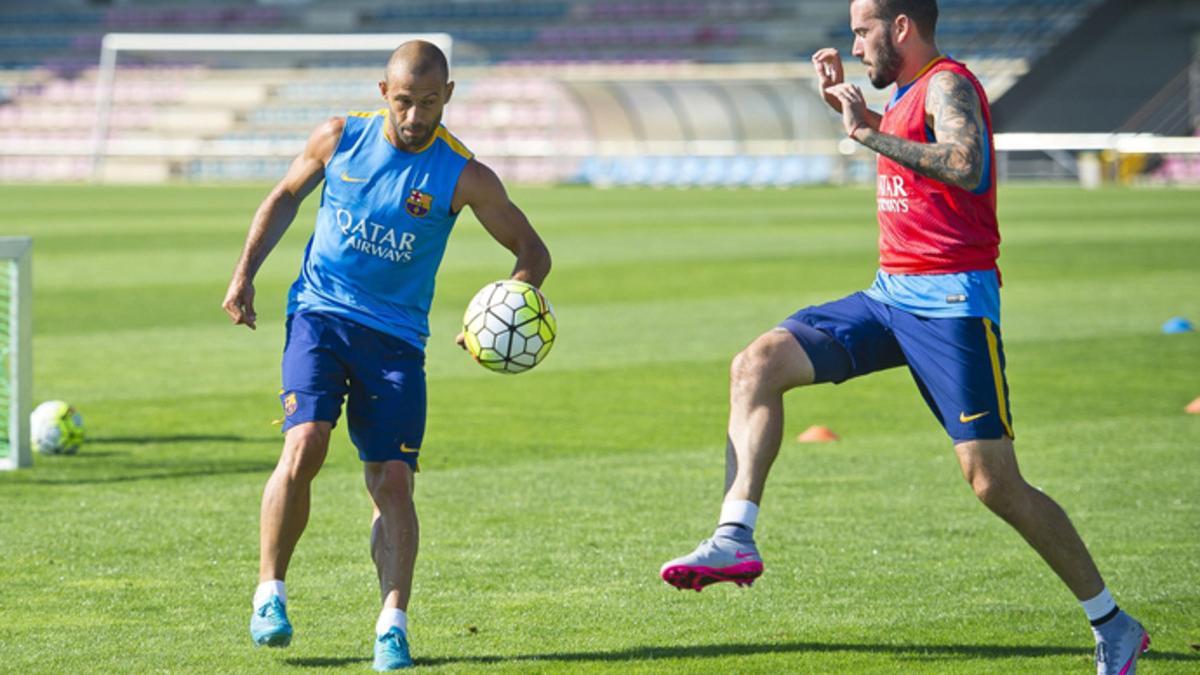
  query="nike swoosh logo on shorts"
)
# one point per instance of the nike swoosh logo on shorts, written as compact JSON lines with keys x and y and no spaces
{"x":964,"y":417}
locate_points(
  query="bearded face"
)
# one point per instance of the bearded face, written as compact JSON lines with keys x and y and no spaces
{"x":884,"y":65}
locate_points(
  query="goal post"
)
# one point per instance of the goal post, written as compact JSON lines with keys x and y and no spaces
{"x":16,"y":332}
{"x":214,"y":43}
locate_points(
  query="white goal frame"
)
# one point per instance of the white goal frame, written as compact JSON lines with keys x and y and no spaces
{"x":114,"y":43}
{"x":18,"y":355}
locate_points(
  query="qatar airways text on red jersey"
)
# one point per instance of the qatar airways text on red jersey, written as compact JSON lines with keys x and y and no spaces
{"x":927,"y":226}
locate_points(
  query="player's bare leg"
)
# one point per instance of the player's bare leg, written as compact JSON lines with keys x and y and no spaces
{"x":760,"y":374}
{"x":283,"y":517}
{"x":990,"y":466}
{"x":758,"y":378}
{"x":394,"y":530}
{"x":286,"y":499}
{"x":394,"y":538}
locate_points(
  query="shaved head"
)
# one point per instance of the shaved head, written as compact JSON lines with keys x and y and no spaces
{"x":419,"y":59}
{"x":416,"y":86}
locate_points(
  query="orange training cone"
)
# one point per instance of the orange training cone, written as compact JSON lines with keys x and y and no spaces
{"x":1194,"y":407}
{"x":817,"y":434}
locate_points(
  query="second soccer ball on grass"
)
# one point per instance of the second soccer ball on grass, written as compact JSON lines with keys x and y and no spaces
{"x":509,"y":326}
{"x":56,"y":428}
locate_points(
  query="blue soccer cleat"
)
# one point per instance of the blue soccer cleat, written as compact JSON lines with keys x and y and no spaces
{"x":1119,"y":643}
{"x":391,"y":651}
{"x":269,"y":624}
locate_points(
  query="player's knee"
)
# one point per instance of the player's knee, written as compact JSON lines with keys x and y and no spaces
{"x":304,"y":451}
{"x":301,"y":466}
{"x":751,"y":368}
{"x":390,"y":485}
{"x":1001,"y":495}
{"x":395,"y":501}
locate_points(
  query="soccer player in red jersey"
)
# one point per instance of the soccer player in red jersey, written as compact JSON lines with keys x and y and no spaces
{"x":934,"y":307}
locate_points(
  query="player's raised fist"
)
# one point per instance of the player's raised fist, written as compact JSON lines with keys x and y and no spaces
{"x":853,"y":106}
{"x":827,"y":63}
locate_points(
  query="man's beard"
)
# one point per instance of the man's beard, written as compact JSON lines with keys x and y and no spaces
{"x":887,"y":64}
{"x":427,"y":132}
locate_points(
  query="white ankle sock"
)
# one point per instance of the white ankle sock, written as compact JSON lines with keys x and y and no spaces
{"x":391,"y":616}
{"x":266,"y":589}
{"x":740,"y":511}
{"x":1100,"y":606}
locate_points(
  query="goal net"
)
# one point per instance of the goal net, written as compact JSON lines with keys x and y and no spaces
{"x":263,"y":58}
{"x":16,"y":295}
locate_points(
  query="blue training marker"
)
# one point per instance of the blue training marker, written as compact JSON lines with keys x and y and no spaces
{"x":1177,"y":324}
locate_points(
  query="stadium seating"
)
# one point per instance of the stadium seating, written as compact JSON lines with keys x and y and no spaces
{"x":639,"y":122}
{"x":65,"y":33}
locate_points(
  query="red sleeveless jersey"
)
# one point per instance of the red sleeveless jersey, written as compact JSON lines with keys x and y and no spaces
{"x":927,"y":226}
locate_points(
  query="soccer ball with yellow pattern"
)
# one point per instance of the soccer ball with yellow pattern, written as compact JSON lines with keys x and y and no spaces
{"x":509,"y":326}
{"x":56,"y":428}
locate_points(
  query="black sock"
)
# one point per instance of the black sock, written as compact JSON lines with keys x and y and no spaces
{"x":735,"y":531}
{"x":1107,"y":617}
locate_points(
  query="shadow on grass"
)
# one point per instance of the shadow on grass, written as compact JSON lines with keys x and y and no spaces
{"x":182,"y":438}
{"x":114,"y":464}
{"x":91,"y":454}
{"x":326,"y":661}
{"x":161,"y":471}
{"x":925,"y":652}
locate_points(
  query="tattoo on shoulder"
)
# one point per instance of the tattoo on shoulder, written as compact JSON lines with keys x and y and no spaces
{"x":956,"y":155}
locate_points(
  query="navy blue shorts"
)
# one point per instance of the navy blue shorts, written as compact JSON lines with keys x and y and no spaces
{"x":958,"y":364}
{"x":382,"y":378}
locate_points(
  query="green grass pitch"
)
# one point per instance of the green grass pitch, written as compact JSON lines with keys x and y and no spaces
{"x":549,"y":500}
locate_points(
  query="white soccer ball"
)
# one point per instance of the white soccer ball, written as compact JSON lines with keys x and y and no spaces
{"x":509,"y":326}
{"x":55,"y":428}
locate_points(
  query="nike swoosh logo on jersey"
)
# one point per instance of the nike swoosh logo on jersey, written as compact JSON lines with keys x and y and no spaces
{"x":350,"y":179}
{"x":964,"y":417}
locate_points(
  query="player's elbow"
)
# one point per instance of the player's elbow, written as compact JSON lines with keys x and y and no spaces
{"x":533,"y":258}
{"x":974,"y":177}
{"x":967,"y":167}
{"x":969,"y":180}
{"x":283,"y":199}
{"x":539,"y":258}
{"x":278,"y":209}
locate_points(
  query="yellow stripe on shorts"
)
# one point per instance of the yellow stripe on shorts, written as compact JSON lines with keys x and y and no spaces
{"x":997,"y":375}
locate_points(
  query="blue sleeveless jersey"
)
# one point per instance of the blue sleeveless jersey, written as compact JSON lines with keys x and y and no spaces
{"x":381,"y":230}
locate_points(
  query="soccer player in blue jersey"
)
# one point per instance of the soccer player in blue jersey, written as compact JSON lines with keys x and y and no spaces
{"x":395,"y":180}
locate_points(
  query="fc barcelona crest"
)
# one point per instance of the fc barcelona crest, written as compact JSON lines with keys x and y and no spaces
{"x":289,"y":404}
{"x":418,"y":203}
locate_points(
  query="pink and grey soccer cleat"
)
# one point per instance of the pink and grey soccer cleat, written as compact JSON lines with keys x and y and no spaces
{"x":1119,"y":643}
{"x":714,"y":560}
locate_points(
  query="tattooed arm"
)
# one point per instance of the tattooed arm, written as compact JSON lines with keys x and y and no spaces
{"x":954,"y":111}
